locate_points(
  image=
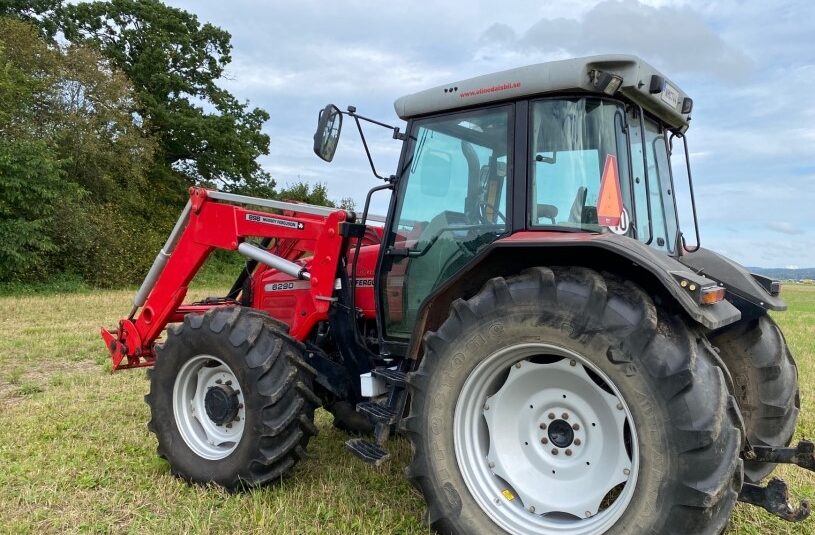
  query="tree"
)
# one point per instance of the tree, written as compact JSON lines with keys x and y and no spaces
{"x":174,"y":62}
{"x":304,"y":192}
{"x":73,"y":162}
{"x":30,"y":179}
{"x":29,"y":172}
{"x":44,"y":14}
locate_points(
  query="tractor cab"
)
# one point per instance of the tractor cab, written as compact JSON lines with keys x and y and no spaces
{"x":575,"y":146}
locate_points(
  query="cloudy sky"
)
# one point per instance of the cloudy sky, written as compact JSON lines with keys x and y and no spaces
{"x":749,"y":66}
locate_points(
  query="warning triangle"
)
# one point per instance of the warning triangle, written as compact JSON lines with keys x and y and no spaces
{"x":610,"y":199}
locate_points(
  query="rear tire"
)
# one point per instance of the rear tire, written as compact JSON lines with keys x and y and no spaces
{"x":258,"y":425}
{"x":686,"y":422}
{"x":765,"y":379}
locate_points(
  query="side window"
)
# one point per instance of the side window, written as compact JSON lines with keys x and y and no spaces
{"x":658,"y":192}
{"x":559,"y":180}
{"x":579,"y":165}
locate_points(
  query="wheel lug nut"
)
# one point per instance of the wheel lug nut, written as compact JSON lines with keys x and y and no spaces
{"x":576,"y":427}
{"x":228,"y":383}
{"x":491,"y":465}
{"x":240,"y":405}
{"x":237,"y":419}
{"x":551,"y":415}
{"x":568,"y":453}
{"x":517,"y":364}
{"x":543,"y":425}
{"x":531,"y":509}
{"x":486,"y":407}
{"x":544,"y":440}
{"x":619,"y":406}
{"x":627,"y":472}
{"x":565,"y":415}
{"x":577,"y":442}
{"x":554,"y":451}
{"x":218,"y":382}
{"x":572,"y":362}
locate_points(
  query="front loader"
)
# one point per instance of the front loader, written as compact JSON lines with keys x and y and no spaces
{"x":528,"y":314}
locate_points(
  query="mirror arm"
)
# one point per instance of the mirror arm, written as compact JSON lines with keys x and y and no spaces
{"x":367,"y":151}
{"x":352,"y":111}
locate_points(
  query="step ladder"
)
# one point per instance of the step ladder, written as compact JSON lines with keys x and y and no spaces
{"x":383,"y":415}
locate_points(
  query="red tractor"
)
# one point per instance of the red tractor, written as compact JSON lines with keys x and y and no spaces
{"x":529,"y":315}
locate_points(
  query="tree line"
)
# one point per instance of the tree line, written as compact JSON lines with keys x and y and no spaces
{"x":109,"y":111}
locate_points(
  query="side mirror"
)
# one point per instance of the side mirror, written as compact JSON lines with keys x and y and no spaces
{"x":327,"y":135}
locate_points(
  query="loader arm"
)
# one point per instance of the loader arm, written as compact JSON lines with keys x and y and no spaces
{"x":215,"y":220}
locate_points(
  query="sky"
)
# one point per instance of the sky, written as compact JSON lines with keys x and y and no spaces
{"x":748,"y":65}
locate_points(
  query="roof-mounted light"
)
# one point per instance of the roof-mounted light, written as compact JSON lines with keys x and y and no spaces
{"x":605,"y":82}
{"x":657,"y":84}
{"x":687,"y":105}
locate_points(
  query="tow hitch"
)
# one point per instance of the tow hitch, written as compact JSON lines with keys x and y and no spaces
{"x":775,"y":497}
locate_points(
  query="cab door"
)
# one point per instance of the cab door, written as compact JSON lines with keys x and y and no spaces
{"x":450,"y":203}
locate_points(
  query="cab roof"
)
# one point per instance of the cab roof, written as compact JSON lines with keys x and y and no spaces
{"x":641,"y":83}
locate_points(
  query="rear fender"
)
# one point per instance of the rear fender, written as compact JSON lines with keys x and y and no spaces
{"x":749,"y":293}
{"x":659,"y":274}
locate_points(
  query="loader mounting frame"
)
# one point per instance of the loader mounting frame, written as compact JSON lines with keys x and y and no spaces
{"x":215,"y":220}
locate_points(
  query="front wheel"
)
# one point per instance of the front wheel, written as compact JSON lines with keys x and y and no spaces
{"x":230,"y":399}
{"x":560,"y":401}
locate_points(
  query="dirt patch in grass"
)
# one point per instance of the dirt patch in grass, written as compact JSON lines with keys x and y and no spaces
{"x":39,"y":377}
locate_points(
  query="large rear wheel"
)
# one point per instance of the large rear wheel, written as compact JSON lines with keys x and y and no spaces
{"x":230,"y":399}
{"x":560,"y":401}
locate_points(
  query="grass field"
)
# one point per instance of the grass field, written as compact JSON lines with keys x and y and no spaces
{"x":75,"y":455}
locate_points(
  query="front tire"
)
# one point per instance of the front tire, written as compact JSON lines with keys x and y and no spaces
{"x":230,"y":399}
{"x":765,"y":379}
{"x":646,"y":379}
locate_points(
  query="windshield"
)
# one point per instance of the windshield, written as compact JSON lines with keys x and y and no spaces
{"x":451,"y":204}
{"x":580,"y":176}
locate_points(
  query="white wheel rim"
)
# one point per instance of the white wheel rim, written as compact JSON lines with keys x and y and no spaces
{"x":514,"y":474}
{"x":201,"y":434}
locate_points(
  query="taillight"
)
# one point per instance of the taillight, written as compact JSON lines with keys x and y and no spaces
{"x":711,"y":295}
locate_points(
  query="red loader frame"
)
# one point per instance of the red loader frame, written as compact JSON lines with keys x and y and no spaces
{"x":208,"y":223}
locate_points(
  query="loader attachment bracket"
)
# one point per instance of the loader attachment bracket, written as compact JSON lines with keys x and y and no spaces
{"x":774,"y":498}
{"x":125,"y":347}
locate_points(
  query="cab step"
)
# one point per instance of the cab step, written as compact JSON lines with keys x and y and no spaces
{"x":368,"y":451}
{"x":389,"y":375}
{"x":378,"y":414}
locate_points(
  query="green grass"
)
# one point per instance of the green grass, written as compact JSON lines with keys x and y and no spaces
{"x":75,"y":455}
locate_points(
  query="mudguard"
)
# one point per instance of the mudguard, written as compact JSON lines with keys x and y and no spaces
{"x":667,"y":270}
{"x":748,"y":292}
{"x":628,"y":258}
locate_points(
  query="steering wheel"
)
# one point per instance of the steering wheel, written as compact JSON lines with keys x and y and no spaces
{"x":482,"y":210}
